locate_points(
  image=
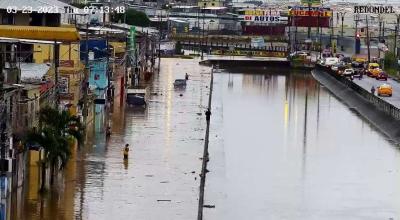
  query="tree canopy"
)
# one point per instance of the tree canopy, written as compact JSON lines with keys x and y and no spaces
{"x":133,"y":17}
{"x":56,"y":129}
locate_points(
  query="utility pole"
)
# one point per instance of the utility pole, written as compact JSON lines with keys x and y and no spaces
{"x":341,"y":38}
{"x":159,"y":42}
{"x":198,"y":29}
{"x":331,"y":34}
{"x":290,"y":38}
{"x":202,"y":39}
{"x":380,"y":28}
{"x":319,"y":35}
{"x":368,"y":41}
{"x":85,"y":76}
{"x":395,"y":35}
{"x":126,"y":49}
{"x":310,"y":18}
{"x":108,"y":69}
{"x":56,"y":56}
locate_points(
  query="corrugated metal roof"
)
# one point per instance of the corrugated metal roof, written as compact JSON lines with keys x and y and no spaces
{"x":35,"y":5}
{"x":25,"y":41}
{"x":65,"y":34}
{"x":138,"y":29}
{"x":33,"y":72}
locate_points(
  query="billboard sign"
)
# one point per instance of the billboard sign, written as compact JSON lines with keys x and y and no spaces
{"x":265,"y":19}
{"x":262,"y":12}
{"x":309,"y":12}
{"x":374,"y":9}
{"x":264,"y":16}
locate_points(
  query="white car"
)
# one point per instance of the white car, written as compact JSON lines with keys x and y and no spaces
{"x":299,"y":53}
{"x":330,"y":61}
{"x":348,"y":72}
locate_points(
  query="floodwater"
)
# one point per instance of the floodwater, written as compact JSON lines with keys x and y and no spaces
{"x":283,"y":147}
{"x":160,"y":179}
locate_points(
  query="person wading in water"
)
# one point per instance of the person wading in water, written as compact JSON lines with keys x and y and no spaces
{"x":126,"y":151}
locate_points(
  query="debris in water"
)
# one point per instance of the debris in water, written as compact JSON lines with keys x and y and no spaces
{"x":199,"y":113}
{"x":149,"y":175}
{"x":209,"y":206}
{"x":164,"y":182}
{"x":193,"y":171}
{"x":181,"y":94}
{"x":163,"y":200}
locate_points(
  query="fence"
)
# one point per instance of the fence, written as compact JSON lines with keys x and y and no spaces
{"x":375,"y":100}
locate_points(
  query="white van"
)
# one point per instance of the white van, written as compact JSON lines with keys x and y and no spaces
{"x":330,"y":61}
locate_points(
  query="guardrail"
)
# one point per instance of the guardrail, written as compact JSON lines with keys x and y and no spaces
{"x":375,"y":100}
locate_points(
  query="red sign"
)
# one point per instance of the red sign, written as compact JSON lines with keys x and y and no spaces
{"x":310,"y":22}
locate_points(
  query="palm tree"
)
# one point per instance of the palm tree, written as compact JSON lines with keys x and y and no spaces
{"x":55,"y":130}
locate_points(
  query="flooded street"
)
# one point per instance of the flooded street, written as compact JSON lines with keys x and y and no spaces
{"x":157,"y":182}
{"x":282,"y":147}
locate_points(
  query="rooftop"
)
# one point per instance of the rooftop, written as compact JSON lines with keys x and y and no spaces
{"x":33,"y":72}
{"x":67,"y":34}
{"x":35,"y":5}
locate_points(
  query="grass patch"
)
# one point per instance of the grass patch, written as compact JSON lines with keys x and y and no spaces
{"x":391,"y":72}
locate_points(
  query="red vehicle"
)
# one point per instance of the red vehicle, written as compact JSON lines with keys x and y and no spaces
{"x":382,"y":76}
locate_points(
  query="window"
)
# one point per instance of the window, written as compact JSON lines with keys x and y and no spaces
{"x":213,"y":4}
{"x":8,"y":18}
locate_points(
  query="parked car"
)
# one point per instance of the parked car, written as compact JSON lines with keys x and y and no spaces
{"x":137,"y":96}
{"x":330,"y":61}
{"x":375,"y":72}
{"x":180,"y":83}
{"x":335,"y":67}
{"x":348,"y":72}
{"x":299,"y":53}
{"x":358,"y":67}
{"x":382,"y":75}
{"x":385,"y":90}
{"x":371,"y":69}
{"x":346,"y":59}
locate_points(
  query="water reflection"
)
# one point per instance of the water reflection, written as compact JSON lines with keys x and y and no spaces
{"x":284,"y":148}
{"x":165,"y":144}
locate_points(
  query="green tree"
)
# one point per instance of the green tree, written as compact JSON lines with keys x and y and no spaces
{"x":390,"y":63}
{"x":390,"y":60}
{"x":56,"y":130}
{"x":133,"y":17}
{"x":80,"y":5}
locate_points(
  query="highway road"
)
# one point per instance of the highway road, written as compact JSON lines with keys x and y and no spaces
{"x":368,"y":82}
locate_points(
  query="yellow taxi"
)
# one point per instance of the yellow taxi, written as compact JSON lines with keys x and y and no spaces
{"x":385,"y":90}
{"x":359,"y":60}
{"x":373,"y":69}
{"x":375,"y":72}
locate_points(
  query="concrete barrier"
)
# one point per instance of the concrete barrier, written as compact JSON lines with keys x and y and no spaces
{"x":378,"y":102}
{"x":384,"y":116}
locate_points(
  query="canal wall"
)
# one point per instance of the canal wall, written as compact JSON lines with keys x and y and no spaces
{"x":226,"y":62}
{"x":378,"y":112}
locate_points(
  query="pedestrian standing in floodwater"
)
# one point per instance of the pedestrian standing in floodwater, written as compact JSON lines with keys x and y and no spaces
{"x":208,"y":114}
{"x":373,"y":90}
{"x":126,"y":151}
